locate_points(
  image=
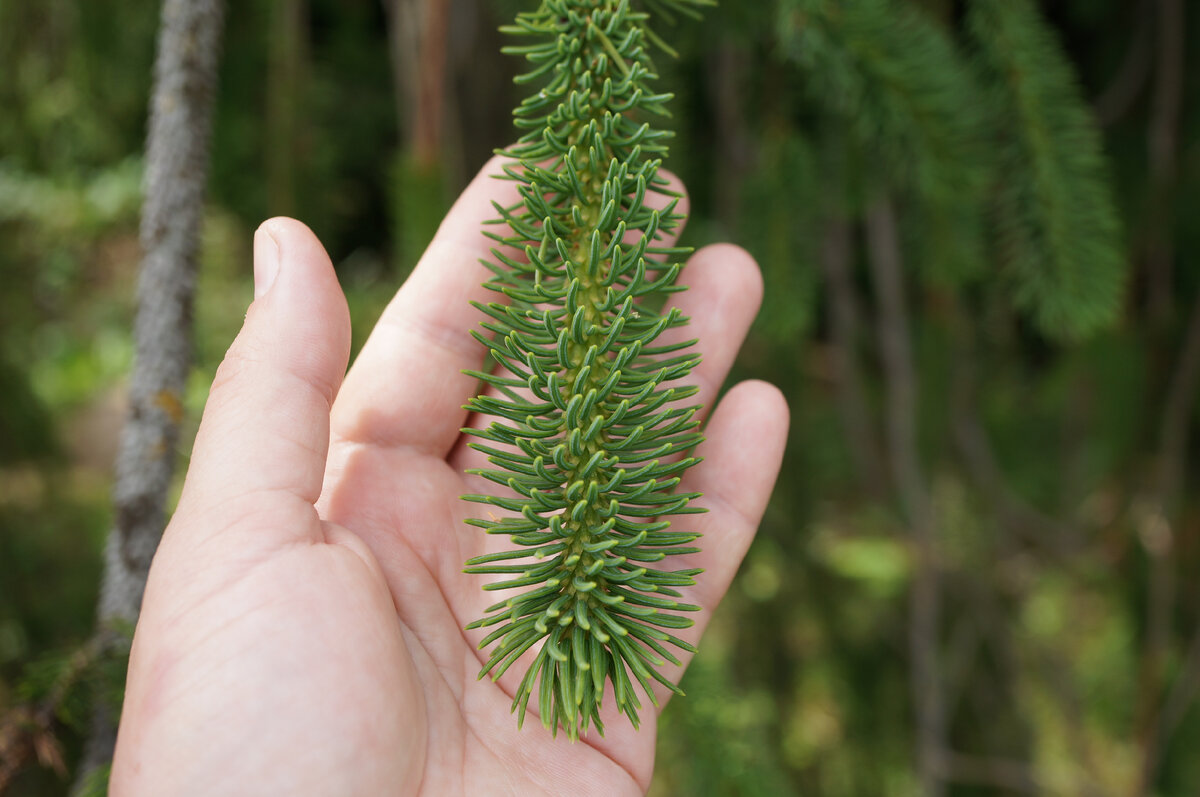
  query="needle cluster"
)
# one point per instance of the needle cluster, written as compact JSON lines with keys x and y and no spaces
{"x":591,"y":428}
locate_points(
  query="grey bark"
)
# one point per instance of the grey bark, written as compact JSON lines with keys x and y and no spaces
{"x":181,"y":106}
{"x":900,"y":415}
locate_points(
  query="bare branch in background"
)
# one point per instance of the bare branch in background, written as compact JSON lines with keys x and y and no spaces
{"x":1174,"y":707}
{"x":181,"y":107}
{"x":727,"y":71}
{"x":1156,"y":526}
{"x":997,"y":773}
{"x":1129,"y":81}
{"x":900,"y":414}
{"x":844,"y":320}
{"x":1163,"y":137}
{"x":1017,"y":517}
{"x":1157,"y":532}
{"x":1017,"y":523}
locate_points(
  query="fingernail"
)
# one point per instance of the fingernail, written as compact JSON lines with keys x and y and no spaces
{"x":266,"y":259}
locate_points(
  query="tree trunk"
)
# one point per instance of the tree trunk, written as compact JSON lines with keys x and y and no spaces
{"x":287,"y":47}
{"x":185,"y":78}
{"x":417,"y":32}
{"x":417,"y":36}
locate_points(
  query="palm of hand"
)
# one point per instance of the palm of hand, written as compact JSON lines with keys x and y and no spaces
{"x":302,"y":627}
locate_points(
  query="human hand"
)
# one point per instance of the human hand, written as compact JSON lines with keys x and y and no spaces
{"x":302,"y":628}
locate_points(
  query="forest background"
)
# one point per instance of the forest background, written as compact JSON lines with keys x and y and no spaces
{"x":977,"y":574}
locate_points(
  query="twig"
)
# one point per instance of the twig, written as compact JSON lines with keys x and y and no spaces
{"x":727,"y":80}
{"x":1158,"y":540}
{"x":1174,"y":708}
{"x":1016,"y":515}
{"x":895,"y":344}
{"x":1018,"y":523}
{"x":176,"y":174}
{"x":1056,"y":671}
{"x":1164,"y":152}
{"x":998,"y":773}
{"x":1118,"y":97}
{"x":844,"y":315}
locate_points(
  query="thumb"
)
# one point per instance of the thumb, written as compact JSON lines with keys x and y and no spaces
{"x":265,"y":429}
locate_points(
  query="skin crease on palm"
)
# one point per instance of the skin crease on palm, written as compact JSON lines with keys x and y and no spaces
{"x":302,"y":629}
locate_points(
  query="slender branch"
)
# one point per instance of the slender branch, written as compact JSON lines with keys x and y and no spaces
{"x":1176,"y":705}
{"x":1017,"y":516}
{"x":1057,"y":674}
{"x":895,"y":343}
{"x":1164,"y":153}
{"x":844,"y":320}
{"x":1155,"y":526}
{"x":176,"y":173}
{"x":1157,"y":535}
{"x":1019,"y":522}
{"x":1131,"y":76}
{"x":727,"y":79}
{"x":1175,"y":428}
{"x":998,"y":773}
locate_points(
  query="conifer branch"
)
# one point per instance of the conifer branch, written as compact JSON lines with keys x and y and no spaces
{"x":1058,"y":232}
{"x":900,"y":84}
{"x":591,"y":426}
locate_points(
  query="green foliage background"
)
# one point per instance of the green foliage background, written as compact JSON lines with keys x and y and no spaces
{"x":1028,"y":231}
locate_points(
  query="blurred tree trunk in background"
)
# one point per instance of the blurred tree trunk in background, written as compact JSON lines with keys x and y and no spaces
{"x":417,"y":32}
{"x":417,"y":39}
{"x":177,"y":161}
{"x":287,"y":48}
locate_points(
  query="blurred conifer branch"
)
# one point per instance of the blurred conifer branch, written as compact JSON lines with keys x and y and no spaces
{"x":62,"y":691}
{"x":1056,"y":225}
